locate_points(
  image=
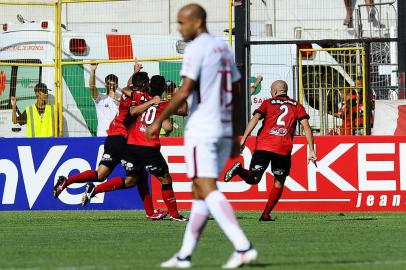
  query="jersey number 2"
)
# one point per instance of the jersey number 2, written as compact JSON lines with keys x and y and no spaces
{"x":284,"y":110}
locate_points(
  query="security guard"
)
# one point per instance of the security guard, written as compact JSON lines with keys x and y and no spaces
{"x":39,"y":117}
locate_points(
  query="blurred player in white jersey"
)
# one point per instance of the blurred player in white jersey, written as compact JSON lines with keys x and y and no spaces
{"x":209,"y":84}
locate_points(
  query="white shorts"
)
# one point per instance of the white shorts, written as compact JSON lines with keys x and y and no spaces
{"x":206,"y":157}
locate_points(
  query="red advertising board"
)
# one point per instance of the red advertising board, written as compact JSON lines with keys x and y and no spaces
{"x":354,"y":173}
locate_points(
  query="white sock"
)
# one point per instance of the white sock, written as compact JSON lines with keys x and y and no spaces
{"x":194,"y":228}
{"x":223,"y":213}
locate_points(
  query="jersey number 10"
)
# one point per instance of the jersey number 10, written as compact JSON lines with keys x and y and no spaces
{"x":148,"y":116}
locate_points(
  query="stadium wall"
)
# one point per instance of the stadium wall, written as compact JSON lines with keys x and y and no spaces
{"x":353,"y":174}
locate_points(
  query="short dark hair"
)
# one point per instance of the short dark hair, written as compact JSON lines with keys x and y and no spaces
{"x":41,"y":87}
{"x":157,"y":85}
{"x":140,"y":79}
{"x":111,"y":78}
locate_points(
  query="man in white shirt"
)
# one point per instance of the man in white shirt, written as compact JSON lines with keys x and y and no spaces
{"x":106,"y":104}
{"x":209,"y":84}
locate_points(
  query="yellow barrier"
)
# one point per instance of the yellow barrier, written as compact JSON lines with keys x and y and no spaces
{"x":332,"y":88}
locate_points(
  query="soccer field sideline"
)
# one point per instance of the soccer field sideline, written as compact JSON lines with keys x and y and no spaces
{"x":126,"y":240}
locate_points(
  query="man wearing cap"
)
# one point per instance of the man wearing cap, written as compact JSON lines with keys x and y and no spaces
{"x":39,"y":117}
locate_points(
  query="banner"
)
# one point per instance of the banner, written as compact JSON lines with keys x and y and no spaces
{"x":354,"y":173}
{"x":29,"y":169}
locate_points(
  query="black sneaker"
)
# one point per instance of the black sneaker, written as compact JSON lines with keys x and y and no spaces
{"x":232,"y":172}
{"x":179,"y":218}
{"x":263,"y":218}
{"x":89,"y":193}
{"x":59,"y":186}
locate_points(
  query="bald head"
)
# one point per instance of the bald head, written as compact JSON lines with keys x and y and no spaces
{"x":191,"y":21}
{"x":194,"y":11}
{"x":279,"y":87}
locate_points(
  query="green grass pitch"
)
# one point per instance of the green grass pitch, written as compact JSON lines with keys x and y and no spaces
{"x":87,"y":240}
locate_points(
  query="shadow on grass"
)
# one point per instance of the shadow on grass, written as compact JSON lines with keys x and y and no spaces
{"x":332,"y":262}
{"x":354,"y":219}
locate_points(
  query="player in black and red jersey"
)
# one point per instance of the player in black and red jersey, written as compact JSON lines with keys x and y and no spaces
{"x":115,"y":147}
{"x":274,"y":142}
{"x":143,"y":153}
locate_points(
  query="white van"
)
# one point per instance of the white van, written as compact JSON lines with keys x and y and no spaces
{"x":34,"y":43}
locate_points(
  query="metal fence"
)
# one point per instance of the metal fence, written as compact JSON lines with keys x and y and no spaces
{"x":360,"y":58}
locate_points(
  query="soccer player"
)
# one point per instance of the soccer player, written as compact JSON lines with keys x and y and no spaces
{"x":143,"y":153}
{"x":274,"y":142}
{"x":208,"y":72}
{"x":115,"y":147}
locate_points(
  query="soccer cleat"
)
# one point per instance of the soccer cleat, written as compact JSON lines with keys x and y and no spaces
{"x":89,"y":193}
{"x":179,"y":218}
{"x":59,"y":186}
{"x":266,"y":218}
{"x":176,"y":262}
{"x":238,"y":259}
{"x":232,"y":172}
{"x":158,"y":215}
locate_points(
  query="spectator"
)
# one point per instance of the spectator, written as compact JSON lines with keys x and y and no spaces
{"x":348,"y":21}
{"x":106,"y":104}
{"x":39,"y":117}
{"x":349,"y":98}
{"x":352,"y":112}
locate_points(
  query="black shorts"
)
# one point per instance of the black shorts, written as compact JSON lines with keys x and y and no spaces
{"x":140,"y":158}
{"x":115,"y":148}
{"x":280,"y":164}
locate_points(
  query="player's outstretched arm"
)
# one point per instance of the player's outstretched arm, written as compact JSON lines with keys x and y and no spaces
{"x":309,"y":137}
{"x":251,"y":125}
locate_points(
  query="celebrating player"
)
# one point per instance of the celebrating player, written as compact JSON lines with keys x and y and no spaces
{"x":274,"y":142}
{"x":142,"y":153}
{"x":115,"y":147}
